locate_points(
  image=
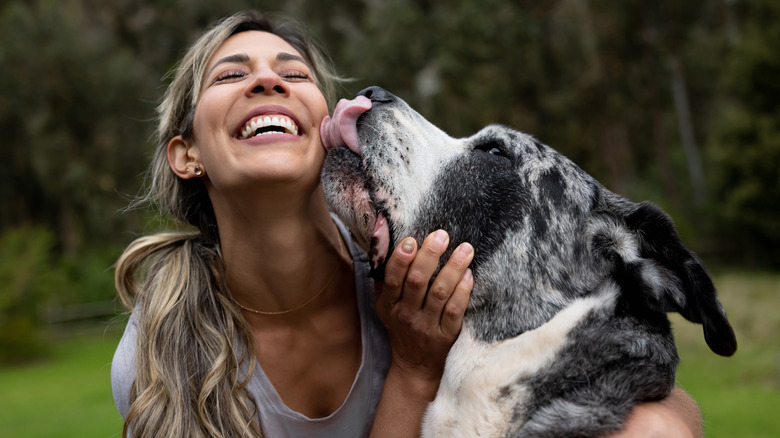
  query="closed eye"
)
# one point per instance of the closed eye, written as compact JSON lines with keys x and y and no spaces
{"x":228,"y":76}
{"x":295,"y":76}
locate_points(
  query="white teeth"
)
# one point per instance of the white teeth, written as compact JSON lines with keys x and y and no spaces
{"x":280,"y":121}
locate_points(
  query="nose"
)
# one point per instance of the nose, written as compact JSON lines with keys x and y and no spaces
{"x":267,"y":82}
{"x":378,"y":95}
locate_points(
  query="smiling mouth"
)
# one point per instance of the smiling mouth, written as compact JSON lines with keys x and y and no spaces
{"x":268,"y":124}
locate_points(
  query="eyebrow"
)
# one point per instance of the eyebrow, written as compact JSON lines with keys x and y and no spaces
{"x":243,"y":59}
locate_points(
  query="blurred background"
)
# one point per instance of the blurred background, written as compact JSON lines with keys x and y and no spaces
{"x":677,"y":102}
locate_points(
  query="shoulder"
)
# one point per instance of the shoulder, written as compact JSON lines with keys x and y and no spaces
{"x":123,"y":366}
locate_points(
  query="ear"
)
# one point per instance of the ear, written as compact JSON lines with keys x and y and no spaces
{"x":182,"y":156}
{"x":654,"y":269}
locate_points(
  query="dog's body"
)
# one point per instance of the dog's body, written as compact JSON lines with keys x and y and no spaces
{"x":566,"y":329}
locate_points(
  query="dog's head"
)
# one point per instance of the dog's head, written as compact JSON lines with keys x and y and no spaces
{"x":536,"y":220}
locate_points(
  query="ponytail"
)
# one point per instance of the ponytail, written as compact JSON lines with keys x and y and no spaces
{"x":189,"y":380}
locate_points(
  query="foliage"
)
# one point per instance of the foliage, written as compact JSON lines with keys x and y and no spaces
{"x":73,"y":146}
{"x":27,"y":280}
{"x":747,"y":141}
{"x":670,"y":101}
{"x":88,"y":277}
{"x":35,"y":281}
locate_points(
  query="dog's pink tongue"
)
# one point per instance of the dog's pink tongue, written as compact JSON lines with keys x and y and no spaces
{"x":341,"y":129}
{"x":380,"y":239}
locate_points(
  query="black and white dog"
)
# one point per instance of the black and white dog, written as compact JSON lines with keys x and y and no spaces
{"x":566,"y":329}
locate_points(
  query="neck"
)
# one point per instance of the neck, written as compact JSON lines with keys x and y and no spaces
{"x":279,"y":258}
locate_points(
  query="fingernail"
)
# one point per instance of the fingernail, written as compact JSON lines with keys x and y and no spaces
{"x":407,"y":245}
{"x":465,"y":248}
{"x":468,"y":274}
{"x":440,"y":236}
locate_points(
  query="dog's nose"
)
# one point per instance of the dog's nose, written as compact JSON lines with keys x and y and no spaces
{"x":378,"y":95}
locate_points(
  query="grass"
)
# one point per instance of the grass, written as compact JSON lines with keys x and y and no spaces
{"x":739,"y":395}
{"x":70,"y":395}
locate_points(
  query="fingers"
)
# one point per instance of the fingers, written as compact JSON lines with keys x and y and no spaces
{"x":408,"y":270}
{"x":389,"y":291}
{"x":423,"y":266}
{"x":446,"y":285}
{"x":407,"y":281}
{"x":424,"y":318}
{"x":449,"y":294}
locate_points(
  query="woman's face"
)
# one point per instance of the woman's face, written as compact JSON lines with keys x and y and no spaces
{"x":257,"y":120}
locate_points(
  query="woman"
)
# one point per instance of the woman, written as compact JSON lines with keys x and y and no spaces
{"x":261,"y":321}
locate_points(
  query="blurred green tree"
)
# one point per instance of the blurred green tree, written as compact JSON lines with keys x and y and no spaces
{"x":71,"y":115}
{"x":633,"y":92}
{"x":746,"y":144}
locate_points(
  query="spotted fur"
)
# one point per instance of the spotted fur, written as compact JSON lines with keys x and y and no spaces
{"x":566,"y":329}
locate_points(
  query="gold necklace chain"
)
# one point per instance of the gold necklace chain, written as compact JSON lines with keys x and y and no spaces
{"x":300,"y":306}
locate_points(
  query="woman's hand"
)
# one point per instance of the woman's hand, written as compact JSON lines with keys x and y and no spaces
{"x":423,"y":322}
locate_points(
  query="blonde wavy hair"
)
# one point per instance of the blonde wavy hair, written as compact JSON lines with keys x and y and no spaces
{"x":192,"y":339}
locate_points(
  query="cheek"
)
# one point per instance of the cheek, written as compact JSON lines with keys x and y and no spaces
{"x":204,"y":142}
{"x":207,"y":115}
{"x":318,"y":107}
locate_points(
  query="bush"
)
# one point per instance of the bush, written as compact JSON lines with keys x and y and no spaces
{"x":28,"y":278}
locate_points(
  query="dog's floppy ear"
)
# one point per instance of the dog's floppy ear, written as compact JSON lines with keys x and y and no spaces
{"x":655,"y":269}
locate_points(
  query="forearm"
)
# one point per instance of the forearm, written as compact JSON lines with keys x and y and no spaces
{"x":402,"y":406}
{"x":680,"y":404}
{"x":676,"y":416}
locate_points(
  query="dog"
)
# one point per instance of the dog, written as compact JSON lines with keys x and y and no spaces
{"x":566,"y":328}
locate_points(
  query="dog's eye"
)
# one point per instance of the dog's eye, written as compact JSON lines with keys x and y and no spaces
{"x":491,"y":148}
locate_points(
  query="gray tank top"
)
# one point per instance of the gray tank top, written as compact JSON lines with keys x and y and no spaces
{"x":353,"y":418}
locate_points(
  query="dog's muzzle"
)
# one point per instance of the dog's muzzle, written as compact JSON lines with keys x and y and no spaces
{"x":342,"y":130}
